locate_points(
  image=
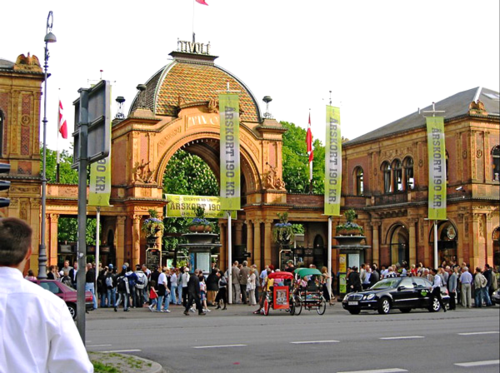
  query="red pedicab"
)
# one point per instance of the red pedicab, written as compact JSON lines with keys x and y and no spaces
{"x":278,"y":297}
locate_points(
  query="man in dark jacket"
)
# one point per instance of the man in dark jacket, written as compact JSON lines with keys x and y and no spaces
{"x":194,"y":293}
{"x":354,"y":280}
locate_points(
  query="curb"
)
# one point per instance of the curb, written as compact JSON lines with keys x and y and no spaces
{"x":124,"y":363}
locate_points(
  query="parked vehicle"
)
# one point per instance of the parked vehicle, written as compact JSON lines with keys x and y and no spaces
{"x":403,"y":293}
{"x":495,"y":297}
{"x":67,"y":294}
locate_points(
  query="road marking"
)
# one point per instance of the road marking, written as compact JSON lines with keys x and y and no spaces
{"x":99,"y":345}
{"x":390,"y":370}
{"x":314,"y":342}
{"x":221,"y":346}
{"x":478,"y":363}
{"x":479,"y":333}
{"x":403,"y":337}
{"x":118,"y":351}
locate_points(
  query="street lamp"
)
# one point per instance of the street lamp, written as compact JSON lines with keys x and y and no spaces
{"x":42,"y":252}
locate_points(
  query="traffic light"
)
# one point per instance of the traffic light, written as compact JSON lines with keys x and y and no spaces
{"x":4,"y":184}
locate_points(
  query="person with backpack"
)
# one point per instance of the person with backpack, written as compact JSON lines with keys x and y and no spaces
{"x":132,"y":281}
{"x":122,"y":284}
{"x":110,"y":283}
{"x":140,"y":286}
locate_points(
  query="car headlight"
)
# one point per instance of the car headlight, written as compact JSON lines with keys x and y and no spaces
{"x":370,"y":296}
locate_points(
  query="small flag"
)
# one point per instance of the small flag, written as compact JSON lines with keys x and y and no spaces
{"x":309,"y":141}
{"x":63,"y":126}
{"x":201,"y":2}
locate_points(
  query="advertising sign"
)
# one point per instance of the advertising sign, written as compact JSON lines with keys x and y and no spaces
{"x":281,"y":297}
{"x":229,"y":109}
{"x":437,"y":168}
{"x":333,"y":162}
{"x":180,"y":206}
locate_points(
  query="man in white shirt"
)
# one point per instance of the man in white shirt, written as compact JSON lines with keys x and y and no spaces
{"x":38,"y":334}
{"x":436,"y":288}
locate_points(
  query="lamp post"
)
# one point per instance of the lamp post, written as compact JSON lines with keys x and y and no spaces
{"x":42,"y":252}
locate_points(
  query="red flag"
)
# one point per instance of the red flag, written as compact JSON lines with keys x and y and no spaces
{"x":201,"y":2}
{"x":309,"y":141}
{"x":63,"y":126}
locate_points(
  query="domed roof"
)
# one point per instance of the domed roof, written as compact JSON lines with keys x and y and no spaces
{"x":192,"y":78}
{"x":6,"y":64}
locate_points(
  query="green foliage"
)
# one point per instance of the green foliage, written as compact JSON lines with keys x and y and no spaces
{"x":349,"y":228}
{"x":66,"y":174}
{"x":68,"y":230}
{"x":296,"y":164}
{"x":186,"y":174}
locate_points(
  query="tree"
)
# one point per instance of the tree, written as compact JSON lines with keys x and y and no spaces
{"x":186,"y":174}
{"x":66,"y":174}
{"x":296,"y":164}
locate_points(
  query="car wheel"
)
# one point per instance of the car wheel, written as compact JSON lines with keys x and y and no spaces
{"x":405,"y":310}
{"x":354,"y":311}
{"x":384,"y":306}
{"x":72,"y":310}
{"x":435,"y":307}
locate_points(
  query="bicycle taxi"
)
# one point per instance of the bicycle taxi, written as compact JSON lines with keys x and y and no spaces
{"x":307,"y":293}
{"x":279,"y":295}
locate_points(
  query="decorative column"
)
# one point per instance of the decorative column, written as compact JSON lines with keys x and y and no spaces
{"x":120,"y":240}
{"x":250,"y":247}
{"x":476,"y":232}
{"x":256,"y":244}
{"x":239,"y":232}
{"x":223,"y":241}
{"x":368,"y":239}
{"x":461,"y":238}
{"x":413,"y":241}
{"x":136,"y":240}
{"x":375,"y":241}
{"x":268,"y":234}
{"x":53,"y":244}
{"x":489,"y":241}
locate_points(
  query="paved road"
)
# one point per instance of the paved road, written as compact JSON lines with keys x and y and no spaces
{"x":237,"y":340}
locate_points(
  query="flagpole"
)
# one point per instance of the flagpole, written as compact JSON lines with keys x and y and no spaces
{"x":57,"y":139}
{"x":193,"y":19}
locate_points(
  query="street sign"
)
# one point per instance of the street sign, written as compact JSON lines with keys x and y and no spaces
{"x":94,"y":104}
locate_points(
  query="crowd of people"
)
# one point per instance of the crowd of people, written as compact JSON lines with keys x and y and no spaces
{"x":158,"y":288}
{"x":463,"y":284}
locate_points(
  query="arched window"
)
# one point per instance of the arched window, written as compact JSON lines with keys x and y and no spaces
{"x":398,"y":175}
{"x":447,"y":168}
{"x":409,"y":180}
{"x":495,"y":154}
{"x":496,"y":247}
{"x":386,"y":171}
{"x":358,"y":174}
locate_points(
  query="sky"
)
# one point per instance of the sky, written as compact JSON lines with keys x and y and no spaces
{"x":377,"y":60}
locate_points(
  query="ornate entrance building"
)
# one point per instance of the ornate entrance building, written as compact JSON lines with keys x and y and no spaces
{"x":384,"y":177}
{"x":176,"y":109}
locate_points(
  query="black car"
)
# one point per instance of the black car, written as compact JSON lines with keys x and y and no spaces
{"x":495,"y":297}
{"x":404,"y":293}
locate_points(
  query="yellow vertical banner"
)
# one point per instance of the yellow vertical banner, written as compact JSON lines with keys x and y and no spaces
{"x":333,"y":162}
{"x":229,"y":114}
{"x":100,"y":182}
{"x":437,"y":168}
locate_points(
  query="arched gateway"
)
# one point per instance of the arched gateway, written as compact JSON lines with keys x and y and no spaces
{"x":178,"y":109}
